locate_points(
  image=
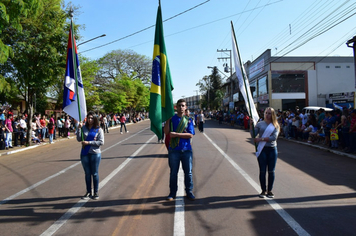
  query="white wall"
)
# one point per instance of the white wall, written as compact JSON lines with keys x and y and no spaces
{"x":312,"y":89}
{"x":335,"y":80}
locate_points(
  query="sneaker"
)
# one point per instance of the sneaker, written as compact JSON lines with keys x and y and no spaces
{"x":96,"y":196}
{"x":190,"y":196}
{"x":263,"y":194}
{"x":86,"y":196}
{"x":127,"y":131}
{"x":270,"y":194}
{"x":170,"y":197}
{"x":120,"y":132}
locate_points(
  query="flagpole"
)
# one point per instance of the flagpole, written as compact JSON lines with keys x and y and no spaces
{"x":75,"y":68}
{"x":244,"y":78}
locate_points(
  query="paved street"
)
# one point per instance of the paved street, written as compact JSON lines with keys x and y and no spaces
{"x":41,"y":188}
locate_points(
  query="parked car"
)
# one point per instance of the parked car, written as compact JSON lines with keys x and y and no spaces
{"x":315,"y":109}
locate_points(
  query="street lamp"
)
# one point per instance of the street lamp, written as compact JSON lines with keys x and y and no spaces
{"x":103,"y":35}
{"x":212,"y":67}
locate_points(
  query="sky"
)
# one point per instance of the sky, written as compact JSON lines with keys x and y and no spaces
{"x":287,"y":27}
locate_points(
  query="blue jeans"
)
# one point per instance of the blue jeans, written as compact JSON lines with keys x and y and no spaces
{"x":43,"y":133}
{"x":8,"y":140}
{"x":267,"y":161}
{"x":174,"y":159}
{"x":90,"y":163}
{"x":50,"y":138}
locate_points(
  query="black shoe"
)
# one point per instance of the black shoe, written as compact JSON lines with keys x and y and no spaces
{"x":263,"y":194}
{"x":86,"y":196}
{"x":270,"y":194}
{"x":190,"y":196}
{"x":96,"y":196}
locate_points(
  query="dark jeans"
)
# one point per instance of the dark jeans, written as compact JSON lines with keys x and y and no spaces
{"x":174,"y":159}
{"x":123,"y":125}
{"x":352,"y":142}
{"x":267,"y":161}
{"x":16,"y":138}
{"x":90,"y":163}
{"x":201,"y":126}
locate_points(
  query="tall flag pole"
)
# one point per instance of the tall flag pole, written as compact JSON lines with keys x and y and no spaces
{"x":161,"y":100}
{"x":244,"y":85}
{"x":74,"y":103}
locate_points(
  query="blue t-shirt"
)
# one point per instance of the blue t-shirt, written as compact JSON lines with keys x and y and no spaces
{"x":184,"y":143}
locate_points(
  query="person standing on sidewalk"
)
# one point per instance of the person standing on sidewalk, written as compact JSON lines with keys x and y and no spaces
{"x":8,"y":131}
{"x":90,"y":155}
{"x":180,"y":129}
{"x":267,"y":131}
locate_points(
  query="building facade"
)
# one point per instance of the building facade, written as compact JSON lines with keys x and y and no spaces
{"x":286,"y":82}
{"x":193,"y":103}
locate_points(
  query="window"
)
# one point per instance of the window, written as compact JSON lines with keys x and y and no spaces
{"x":262,"y":86}
{"x":253,"y":89}
{"x":288,"y":83}
{"x":337,"y":66}
{"x":327,"y":66}
{"x":347,"y":66}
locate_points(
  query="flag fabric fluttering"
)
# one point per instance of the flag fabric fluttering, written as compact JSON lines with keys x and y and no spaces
{"x":161,"y":101}
{"x":73,"y":93}
{"x":244,"y":85}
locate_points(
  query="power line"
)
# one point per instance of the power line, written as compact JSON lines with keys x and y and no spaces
{"x":170,"y":18}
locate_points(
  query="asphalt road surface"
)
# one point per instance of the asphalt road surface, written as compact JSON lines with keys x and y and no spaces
{"x":41,"y":189}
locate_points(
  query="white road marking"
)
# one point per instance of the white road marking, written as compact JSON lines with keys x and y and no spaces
{"x":179,"y":222}
{"x":285,"y":216}
{"x":61,"y":221}
{"x":59,"y":173}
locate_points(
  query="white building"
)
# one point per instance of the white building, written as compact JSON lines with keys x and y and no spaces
{"x":193,"y":102}
{"x":286,"y":82}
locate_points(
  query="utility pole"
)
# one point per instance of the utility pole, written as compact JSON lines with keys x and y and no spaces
{"x":228,"y":52}
{"x":353,"y":40}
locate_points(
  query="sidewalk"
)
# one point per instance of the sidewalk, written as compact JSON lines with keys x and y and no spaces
{"x":319,"y":146}
{"x":33,"y":145}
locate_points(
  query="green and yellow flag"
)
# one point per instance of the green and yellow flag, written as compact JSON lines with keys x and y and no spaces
{"x":161,"y":101}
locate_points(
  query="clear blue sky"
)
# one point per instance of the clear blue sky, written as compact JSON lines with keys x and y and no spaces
{"x":192,"y":38}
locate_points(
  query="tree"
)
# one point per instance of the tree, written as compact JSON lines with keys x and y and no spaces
{"x":210,"y":87}
{"x":124,"y":62}
{"x":39,"y":49}
{"x":11,"y":13}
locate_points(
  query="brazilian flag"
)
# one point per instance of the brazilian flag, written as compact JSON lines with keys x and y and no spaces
{"x":161,"y":102}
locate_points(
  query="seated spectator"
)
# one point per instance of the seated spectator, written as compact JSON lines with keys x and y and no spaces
{"x":317,"y":135}
{"x":309,"y":128}
{"x":300,"y":130}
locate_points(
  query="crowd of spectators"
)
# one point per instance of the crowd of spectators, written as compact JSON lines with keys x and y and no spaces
{"x":335,"y":129}
{"x":13,"y":130}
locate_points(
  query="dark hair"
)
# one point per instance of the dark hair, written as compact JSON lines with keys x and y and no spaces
{"x":95,"y":119}
{"x":9,"y":115}
{"x":181,"y":100}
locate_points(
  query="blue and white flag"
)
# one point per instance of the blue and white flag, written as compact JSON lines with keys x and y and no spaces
{"x":73,"y":101}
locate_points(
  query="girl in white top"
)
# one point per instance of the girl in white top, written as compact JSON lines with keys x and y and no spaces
{"x":268,"y":131}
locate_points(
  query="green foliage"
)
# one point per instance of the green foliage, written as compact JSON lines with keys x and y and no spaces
{"x":125,"y":62}
{"x":210,"y":87}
